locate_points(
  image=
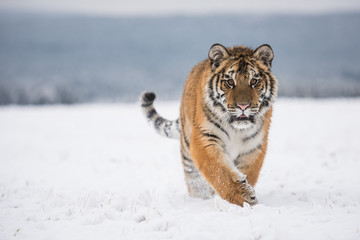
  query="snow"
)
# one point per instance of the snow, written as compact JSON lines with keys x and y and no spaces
{"x":98,"y":171}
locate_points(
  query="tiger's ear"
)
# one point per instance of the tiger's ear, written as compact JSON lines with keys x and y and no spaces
{"x":265,"y":54}
{"x":217,"y":54}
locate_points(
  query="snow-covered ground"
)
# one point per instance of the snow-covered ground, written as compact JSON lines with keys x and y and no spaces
{"x":100,"y":172}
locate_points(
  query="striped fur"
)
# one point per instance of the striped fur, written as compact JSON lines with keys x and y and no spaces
{"x":166,"y":128}
{"x":224,"y":119}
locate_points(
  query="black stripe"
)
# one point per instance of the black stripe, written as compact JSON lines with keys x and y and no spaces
{"x":185,"y":140}
{"x":242,"y":66}
{"x":191,"y":166}
{"x":217,"y":125}
{"x":212,"y":92}
{"x":251,"y":64}
{"x":209,"y":145}
{"x":216,"y":103}
{"x":265,"y":103}
{"x":146,"y":104}
{"x":211,"y":83}
{"x":213,"y":138}
{"x":167,"y":128}
{"x":250,"y":151}
{"x":262,"y":91}
{"x":253,"y":135}
{"x":151,"y":113}
{"x":272,"y":82}
{"x":186,"y":158}
{"x":158,"y":121}
{"x":210,"y":135}
{"x":184,"y":153}
{"x":207,"y":112}
{"x":266,"y":84}
{"x":177,"y":122}
{"x":217,"y":81}
{"x":237,"y":160}
{"x":183,"y":137}
{"x":194,"y":113}
{"x":188,"y":163}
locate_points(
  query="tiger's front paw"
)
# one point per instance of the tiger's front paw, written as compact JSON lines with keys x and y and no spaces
{"x":241,"y":192}
{"x":247,"y":193}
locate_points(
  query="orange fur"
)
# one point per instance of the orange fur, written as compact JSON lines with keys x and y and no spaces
{"x":224,"y":120}
{"x":211,"y":161}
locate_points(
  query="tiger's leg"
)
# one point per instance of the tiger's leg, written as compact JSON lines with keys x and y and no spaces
{"x":227,"y":181}
{"x":251,"y":165}
{"x":197,"y":186}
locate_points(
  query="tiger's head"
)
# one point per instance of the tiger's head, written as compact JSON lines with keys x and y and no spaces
{"x":241,"y":85}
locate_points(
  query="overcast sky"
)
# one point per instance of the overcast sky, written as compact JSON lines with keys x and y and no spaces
{"x":168,"y":7}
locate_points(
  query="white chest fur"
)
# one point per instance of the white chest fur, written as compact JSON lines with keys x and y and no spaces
{"x":242,"y":142}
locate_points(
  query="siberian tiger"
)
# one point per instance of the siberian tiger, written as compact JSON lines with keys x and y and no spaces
{"x":224,"y":120}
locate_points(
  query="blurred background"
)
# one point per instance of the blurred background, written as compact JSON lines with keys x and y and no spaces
{"x":64,"y":51}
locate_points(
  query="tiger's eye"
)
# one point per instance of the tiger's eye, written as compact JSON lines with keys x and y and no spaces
{"x":253,"y":81}
{"x":231,"y":83}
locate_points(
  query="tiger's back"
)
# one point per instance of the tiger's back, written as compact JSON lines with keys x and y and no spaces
{"x":224,"y":119}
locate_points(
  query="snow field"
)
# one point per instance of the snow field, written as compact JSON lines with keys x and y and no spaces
{"x":99,"y":171}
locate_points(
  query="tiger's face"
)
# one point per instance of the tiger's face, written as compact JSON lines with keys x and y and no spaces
{"x":243,"y":86}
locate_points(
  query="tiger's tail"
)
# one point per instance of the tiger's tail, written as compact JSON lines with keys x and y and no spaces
{"x":164,"y":127}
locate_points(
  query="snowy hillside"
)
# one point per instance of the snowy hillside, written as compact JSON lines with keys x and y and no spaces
{"x":100,"y":172}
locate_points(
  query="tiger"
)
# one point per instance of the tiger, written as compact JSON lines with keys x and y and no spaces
{"x":224,"y":121}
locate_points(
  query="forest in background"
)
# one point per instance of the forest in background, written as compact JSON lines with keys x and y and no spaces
{"x":67,"y":58}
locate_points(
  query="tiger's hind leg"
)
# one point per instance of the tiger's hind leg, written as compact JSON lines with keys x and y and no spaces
{"x":197,"y":186}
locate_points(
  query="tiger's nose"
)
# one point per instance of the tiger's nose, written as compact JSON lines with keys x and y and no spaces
{"x":243,"y":106}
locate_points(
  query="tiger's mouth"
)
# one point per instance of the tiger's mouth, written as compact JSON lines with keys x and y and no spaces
{"x":241,"y":118}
